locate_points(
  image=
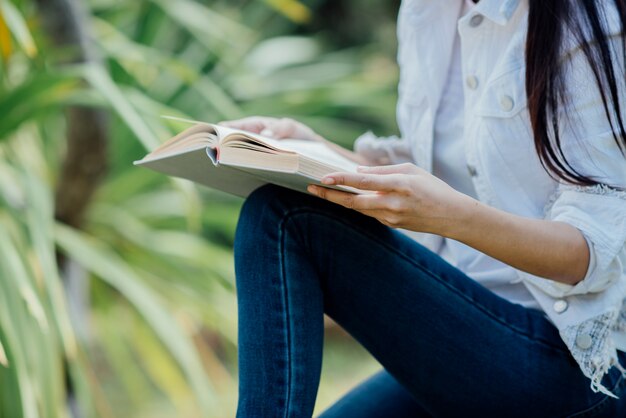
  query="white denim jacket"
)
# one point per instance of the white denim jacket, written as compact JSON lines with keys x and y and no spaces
{"x":507,"y":174}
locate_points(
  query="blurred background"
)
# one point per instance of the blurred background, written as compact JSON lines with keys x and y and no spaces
{"x":117,"y":293}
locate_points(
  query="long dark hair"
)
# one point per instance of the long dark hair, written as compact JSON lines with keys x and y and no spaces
{"x":549,"y":23}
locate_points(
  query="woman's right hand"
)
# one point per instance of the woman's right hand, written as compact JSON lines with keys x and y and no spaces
{"x":277,"y":128}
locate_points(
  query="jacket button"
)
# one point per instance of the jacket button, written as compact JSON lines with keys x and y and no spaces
{"x":507,"y":103}
{"x":560,"y":306}
{"x":476,"y":20}
{"x":584,"y":341}
{"x":472,"y":82}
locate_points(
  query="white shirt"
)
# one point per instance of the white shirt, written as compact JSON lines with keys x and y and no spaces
{"x":448,"y":146}
{"x":449,"y":164}
{"x":499,"y":150}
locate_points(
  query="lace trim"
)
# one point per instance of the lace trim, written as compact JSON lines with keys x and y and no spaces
{"x":599,"y":189}
{"x":596,"y":360}
{"x":620,"y":322}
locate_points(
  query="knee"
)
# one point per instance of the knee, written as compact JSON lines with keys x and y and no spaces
{"x":264,"y":209}
{"x":259,"y":221}
{"x":266,"y":201}
{"x":260,"y":198}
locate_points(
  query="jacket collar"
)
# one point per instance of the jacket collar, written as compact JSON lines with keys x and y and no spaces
{"x":499,"y":11}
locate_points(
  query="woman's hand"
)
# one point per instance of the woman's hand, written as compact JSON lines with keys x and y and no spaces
{"x":278,"y":128}
{"x":405,"y":196}
{"x":408,"y":197}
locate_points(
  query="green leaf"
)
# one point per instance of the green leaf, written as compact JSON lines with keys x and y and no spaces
{"x":101,"y":81}
{"x":141,"y":61}
{"x":35,"y":96}
{"x":40,"y":223}
{"x":3,"y":356}
{"x":291,"y":9}
{"x":206,"y":24}
{"x":108,"y":266}
{"x":16,"y":24}
{"x":15,"y":321}
{"x":6,"y":44}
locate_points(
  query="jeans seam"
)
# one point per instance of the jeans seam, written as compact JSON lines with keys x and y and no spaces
{"x":296,"y":211}
{"x":283,"y":281}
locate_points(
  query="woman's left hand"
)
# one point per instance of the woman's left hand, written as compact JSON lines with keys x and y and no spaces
{"x":404,"y":196}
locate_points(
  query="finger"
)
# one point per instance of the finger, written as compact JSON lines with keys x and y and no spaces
{"x":255,"y":124}
{"x":272,"y":130}
{"x":405,"y":168}
{"x":250,"y":125}
{"x":377,"y":182}
{"x":268,"y":133}
{"x":282,"y":128}
{"x":358,"y":202}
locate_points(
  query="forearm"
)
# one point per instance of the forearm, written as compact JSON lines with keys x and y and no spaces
{"x":408,"y":197}
{"x":548,"y":249}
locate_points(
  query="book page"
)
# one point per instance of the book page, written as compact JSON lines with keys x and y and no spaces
{"x":319,"y":152}
{"x":195,"y":137}
{"x":311,"y":149}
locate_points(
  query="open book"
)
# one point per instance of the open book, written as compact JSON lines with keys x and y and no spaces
{"x":238,"y":162}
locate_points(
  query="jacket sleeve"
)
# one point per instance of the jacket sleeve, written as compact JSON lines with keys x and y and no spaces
{"x":589,"y":146}
{"x":383,"y":151}
{"x":599,"y":212}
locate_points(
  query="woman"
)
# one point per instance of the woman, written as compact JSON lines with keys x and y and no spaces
{"x":513,"y":110}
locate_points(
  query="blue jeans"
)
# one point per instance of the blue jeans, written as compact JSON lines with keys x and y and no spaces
{"x":449,"y":347}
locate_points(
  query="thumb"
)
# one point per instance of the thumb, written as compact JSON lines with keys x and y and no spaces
{"x":276,"y":130}
{"x":284,"y":128}
{"x":405,"y":168}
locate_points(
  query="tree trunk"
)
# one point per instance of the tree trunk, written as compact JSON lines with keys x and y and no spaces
{"x":85,"y":162}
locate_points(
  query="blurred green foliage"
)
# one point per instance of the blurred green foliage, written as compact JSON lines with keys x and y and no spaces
{"x":134,"y":314}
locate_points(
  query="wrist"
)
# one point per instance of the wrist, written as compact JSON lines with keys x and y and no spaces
{"x":465,"y":213}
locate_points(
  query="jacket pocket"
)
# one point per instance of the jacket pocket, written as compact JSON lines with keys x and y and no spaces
{"x":504,"y":95}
